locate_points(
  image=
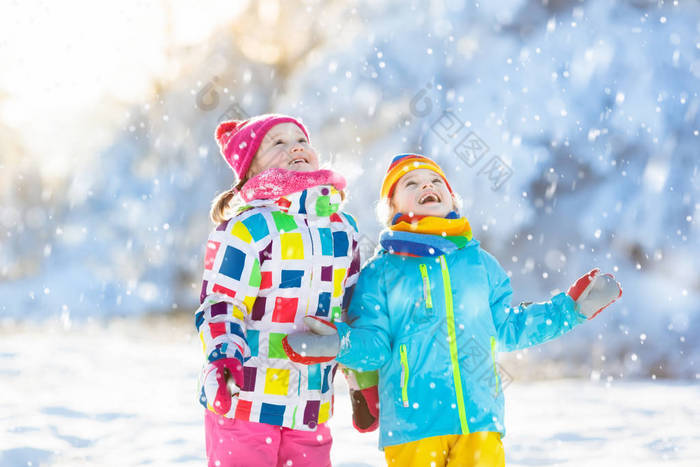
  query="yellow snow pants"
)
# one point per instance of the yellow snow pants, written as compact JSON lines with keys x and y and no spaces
{"x":481,"y":449}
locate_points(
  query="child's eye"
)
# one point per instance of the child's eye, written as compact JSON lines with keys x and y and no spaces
{"x":410,"y":183}
{"x":437,"y":180}
{"x":302,"y":140}
{"x":279,"y":141}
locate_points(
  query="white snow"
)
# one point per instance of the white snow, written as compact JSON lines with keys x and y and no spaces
{"x":124,"y":394}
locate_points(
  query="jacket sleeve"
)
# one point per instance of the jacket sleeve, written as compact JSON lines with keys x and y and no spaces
{"x":364,"y":339}
{"x":528,"y":324}
{"x":357,"y":380}
{"x":229,"y":287}
{"x":354,"y":268}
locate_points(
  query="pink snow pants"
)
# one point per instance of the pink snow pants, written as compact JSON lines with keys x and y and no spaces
{"x":234,"y":443}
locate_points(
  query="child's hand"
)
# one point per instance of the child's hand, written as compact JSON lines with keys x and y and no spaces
{"x":365,"y":408}
{"x":319,"y":345}
{"x":593,"y":292}
{"x":219,"y":384}
{"x":364,"y":396}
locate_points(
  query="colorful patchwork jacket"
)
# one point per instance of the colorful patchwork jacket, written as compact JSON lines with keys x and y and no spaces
{"x":432,"y":327}
{"x":265,"y":269}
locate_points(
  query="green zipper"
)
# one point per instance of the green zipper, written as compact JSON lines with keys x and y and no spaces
{"x":404,"y":375}
{"x":426,"y":286}
{"x":452,"y":335}
{"x":495,"y":367}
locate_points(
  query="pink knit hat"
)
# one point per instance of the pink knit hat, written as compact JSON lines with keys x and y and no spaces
{"x":239,"y":140}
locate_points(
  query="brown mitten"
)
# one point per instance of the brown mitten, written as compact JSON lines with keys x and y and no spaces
{"x":364,"y":396}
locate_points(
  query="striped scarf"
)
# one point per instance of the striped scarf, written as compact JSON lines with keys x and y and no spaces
{"x":426,"y":235}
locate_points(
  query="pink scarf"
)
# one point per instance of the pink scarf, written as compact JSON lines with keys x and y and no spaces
{"x":274,"y":183}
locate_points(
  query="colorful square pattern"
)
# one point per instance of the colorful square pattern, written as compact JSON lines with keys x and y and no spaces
{"x":266,"y":280}
{"x":243,"y":409}
{"x":285,"y":309}
{"x":233,"y":263}
{"x":292,"y":246}
{"x":253,"y":336}
{"x":241,"y":231}
{"x":277,"y":381}
{"x":314,"y":377}
{"x":264,"y":250}
{"x":272,"y":414}
{"x":257,"y":226}
{"x":284,"y":222}
{"x":275,"y":349}
{"x":210,"y":255}
{"x":291,"y":278}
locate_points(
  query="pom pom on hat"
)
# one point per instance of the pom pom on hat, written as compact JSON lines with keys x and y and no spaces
{"x":225,"y":129}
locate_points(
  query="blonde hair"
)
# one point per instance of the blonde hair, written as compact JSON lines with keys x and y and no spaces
{"x":225,"y":204}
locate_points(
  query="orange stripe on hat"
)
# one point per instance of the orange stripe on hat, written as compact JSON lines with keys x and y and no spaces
{"x":404,"y":163}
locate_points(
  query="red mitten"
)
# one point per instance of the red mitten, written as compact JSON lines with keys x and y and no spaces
{"x":222,"y":381}
{"x":594,"y":291}
{"x":320,"y":344}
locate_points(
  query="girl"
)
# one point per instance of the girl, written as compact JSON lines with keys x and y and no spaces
{"x":430,"y":312}
{"x":283,"y":253}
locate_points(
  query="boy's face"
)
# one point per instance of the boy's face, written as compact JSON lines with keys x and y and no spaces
{"x":422,"y":192}
{"x":284,"y":146}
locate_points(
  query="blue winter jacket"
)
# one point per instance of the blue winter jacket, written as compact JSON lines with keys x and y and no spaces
{"x":432,"y":327}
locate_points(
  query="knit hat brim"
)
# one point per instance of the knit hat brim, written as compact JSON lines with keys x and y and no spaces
{"x":405,"y":163}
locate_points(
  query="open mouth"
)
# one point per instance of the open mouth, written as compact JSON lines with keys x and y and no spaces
{"x":429,"y":197}
{"x":298,"y":160}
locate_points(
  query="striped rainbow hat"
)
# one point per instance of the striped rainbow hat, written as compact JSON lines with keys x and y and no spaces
{"x":404,"y":163}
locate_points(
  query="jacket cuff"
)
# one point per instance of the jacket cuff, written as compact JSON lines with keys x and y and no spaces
{"x":343,"y":330}
{"x":567,"y":304}
{"x":225,"y":351}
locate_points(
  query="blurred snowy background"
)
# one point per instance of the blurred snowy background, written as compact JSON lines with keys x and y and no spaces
{"x":571,"y":129}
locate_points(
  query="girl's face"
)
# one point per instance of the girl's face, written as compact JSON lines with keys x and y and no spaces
{"x":422,"y":192}
{"x":284,"y":146}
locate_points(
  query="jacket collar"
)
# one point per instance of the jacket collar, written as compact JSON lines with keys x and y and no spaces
{"x":317,"y":203}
